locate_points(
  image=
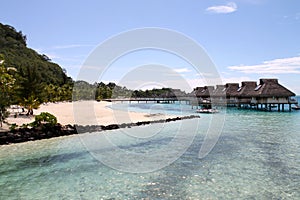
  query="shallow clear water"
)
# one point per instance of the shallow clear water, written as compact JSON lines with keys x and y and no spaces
{"x":256,"y":157}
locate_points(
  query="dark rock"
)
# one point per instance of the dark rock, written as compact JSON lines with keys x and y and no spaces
{"x":3,"y":134}
{"x":18,"y":140}
{"x":45,"y":131}
{"x":112,"y":127}
{"x":3,"y":140}
{"x":123,"y":125}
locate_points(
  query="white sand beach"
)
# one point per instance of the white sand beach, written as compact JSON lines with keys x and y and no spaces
{"x":85,"y":113}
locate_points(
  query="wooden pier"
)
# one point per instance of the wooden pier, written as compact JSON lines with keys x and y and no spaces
{"x":268,"y":95}
{"x":152,"y":100}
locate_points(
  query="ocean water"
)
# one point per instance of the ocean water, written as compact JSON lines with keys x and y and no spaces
{"x":257,"y":156}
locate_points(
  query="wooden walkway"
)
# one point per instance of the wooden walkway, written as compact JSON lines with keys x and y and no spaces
{"x":151,"y":100}
{"x":269,"y":106}
{"x":280,"y":106}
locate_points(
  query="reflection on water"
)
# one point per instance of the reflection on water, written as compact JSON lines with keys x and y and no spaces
{"x":257,"y":157}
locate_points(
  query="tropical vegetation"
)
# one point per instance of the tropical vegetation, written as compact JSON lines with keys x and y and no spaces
{"x":29,"y":79}
{"x":7,"y":82}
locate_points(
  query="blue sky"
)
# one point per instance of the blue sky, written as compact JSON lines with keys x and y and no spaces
{"x":246,"y":39}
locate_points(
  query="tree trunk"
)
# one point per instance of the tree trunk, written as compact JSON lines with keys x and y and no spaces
{"x":29,"y":111}
{"x":0,"y":118}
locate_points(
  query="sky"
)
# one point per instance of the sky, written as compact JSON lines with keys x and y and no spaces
{"x":245,"y":39}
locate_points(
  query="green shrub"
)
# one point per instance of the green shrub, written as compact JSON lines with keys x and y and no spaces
{"x":44,"y":118}
{"x":24,"y":125}
{"x":13,"y":127}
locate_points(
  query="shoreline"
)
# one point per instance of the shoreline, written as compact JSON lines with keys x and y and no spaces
{"x":79,"y":112}
{"x":46,"y":132}
{"x":80,"y":117}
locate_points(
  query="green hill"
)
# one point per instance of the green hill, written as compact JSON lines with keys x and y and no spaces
{"x":18,"y":55}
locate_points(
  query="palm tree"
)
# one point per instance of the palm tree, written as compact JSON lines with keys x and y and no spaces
{"x":30,"y":90}
{"x":50,"y":90}
{"x":30,"y":104}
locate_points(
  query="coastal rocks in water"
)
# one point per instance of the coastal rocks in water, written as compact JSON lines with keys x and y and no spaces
{"x":44,"y":131}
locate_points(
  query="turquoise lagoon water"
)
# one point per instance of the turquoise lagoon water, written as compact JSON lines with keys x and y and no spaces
{"x":256,"y":157}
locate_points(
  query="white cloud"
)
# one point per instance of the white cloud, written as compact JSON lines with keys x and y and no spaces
{"x":182,"y":70}
{"x":205,"y":75}
{"x":196,"y":82}
{"x":277,"y":66}
{"x":200,"y":82}
{"x":223,"y":9}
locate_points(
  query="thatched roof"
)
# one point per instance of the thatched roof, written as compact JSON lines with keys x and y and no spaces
{"x":197,"y":91}
{"x":192,"y":94}
{"x":204,"y":92}
{"x":271,"y":88}
{"x":178,"y":93}
{"x":219,"y":91}
{"x":247,"y":89}
{"x":231,"y":89}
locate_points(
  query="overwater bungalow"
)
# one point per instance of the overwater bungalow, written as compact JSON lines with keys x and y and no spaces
{"x":231,"y":90}
{"x":266,"y":95}
{"x":203,"y":96}
{"x":219,"y":95}
{"x":246,"y":93}
{"x":205,"y":92}
{"x":269,"y":93}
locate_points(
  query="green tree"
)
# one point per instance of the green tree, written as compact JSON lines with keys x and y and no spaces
{"x":83,"y":91}
{"x":17,"y":54}
{"x":30,"y":91}
{"x":30,"y":103}
{"x":50,"y":92}
{"x":7,"y":82}
{"x":67,"y":92}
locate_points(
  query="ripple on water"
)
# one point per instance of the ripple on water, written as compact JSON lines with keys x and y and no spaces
{"x":257,"y":157}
